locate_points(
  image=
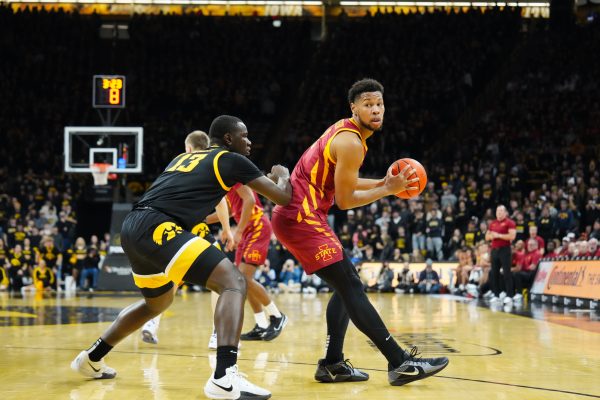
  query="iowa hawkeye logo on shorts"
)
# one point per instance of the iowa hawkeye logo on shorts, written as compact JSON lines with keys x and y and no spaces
{"x":165,"y":232}
{"x":201,"y":230}
{"x":325,"y":253}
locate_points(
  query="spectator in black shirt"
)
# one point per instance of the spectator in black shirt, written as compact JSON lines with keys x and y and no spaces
{"x":545,"y":224}
{"x":418,"y":234}
{"x":91,"y":269}
{"x":434,"y":234}
{"x":462,"y":216}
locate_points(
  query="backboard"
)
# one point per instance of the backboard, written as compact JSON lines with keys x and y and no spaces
{"x":121,"y":147}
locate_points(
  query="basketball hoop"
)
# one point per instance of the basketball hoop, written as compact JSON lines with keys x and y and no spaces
{"x":100,"y":173}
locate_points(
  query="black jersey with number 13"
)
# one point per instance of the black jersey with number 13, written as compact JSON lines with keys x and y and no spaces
{"x":194,"y":183}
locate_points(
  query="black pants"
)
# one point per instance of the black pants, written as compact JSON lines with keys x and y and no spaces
{"x":349,"y":301}
{"x":523,"y":280}
{"x":502,"y":258}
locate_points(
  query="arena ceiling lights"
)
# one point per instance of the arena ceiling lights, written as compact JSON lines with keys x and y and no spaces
{"x":179,"y":2}
{"x":440,"y":4}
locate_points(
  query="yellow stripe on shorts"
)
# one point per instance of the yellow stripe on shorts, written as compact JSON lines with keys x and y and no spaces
{"x":150,"y":281}
{"x":185,"y":257}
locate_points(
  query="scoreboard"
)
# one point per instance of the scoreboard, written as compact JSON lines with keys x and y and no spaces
{"x":109,"y":91}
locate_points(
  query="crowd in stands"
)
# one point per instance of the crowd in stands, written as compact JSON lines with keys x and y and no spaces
{"x":39,"y":249}
{"x":535,"y":148}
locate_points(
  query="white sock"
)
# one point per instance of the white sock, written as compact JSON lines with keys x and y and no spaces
{"x":272,"y":309}
{"x":261,"y":320}
{"x":153,"y":324}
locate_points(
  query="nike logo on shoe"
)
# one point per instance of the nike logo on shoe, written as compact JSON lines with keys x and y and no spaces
{"x":411,"y":373}
{"x":229,"y":389}
{"x":332,"y":376}
{"x":388,"y":338}
{"x":95,"y":370}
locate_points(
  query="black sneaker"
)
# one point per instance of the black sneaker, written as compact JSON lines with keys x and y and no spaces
{"x":413,"y":368}
{"x":341,"y":371}
{"x":275,"y":327}
{"x":255,"y":334}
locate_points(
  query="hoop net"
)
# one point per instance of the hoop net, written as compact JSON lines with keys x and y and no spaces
{"x":100,"y":173}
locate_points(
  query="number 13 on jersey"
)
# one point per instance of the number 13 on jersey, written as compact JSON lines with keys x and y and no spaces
{"x":187,"y":162}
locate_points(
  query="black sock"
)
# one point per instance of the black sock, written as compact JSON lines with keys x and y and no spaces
{"x":99,"y":350}
{"x":334,"y":348}
{"x":393,"y":352}
{"x":226,"y":357}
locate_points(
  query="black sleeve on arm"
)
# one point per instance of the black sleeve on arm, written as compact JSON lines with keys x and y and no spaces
{"x":236,"y":168}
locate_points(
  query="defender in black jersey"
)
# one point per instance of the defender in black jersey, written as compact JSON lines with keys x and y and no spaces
{"x":158,"y":240}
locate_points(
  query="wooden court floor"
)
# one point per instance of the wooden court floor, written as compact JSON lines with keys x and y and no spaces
{"x":493,"y":354}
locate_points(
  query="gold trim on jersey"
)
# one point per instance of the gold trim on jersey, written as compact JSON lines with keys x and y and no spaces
{"x":216,"y":168}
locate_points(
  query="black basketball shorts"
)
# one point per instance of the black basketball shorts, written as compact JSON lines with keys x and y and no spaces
{"x":161,"y":252}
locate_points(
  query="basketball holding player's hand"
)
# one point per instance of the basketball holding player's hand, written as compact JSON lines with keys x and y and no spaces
{"x":400,"y":182}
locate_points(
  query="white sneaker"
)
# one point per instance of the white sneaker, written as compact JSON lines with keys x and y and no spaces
{"x":495,"y":299}
{"x":212,"y":342}
{"x":488,"y":295}
{"x":502,"y":295}
{"x":507,"y":300}
{"x":89,"y":368}
{"x":149,"y":332}
{"x":233,"y":385}
{"x":518,"y":298}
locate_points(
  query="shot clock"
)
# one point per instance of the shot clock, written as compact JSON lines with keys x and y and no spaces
{"x":109,"y":91}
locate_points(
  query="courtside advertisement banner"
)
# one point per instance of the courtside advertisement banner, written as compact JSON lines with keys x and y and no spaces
{"x":541,"y":277}
{"x":573,"y":279}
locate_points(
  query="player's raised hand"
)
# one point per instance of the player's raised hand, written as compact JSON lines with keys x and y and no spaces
{"x":400,"y":182}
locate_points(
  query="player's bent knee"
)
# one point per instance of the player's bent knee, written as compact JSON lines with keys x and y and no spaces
{"x":226,"y":275}
{"x":157,"y":305}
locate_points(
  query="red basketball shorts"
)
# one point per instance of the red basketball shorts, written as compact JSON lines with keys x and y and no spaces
{"x":254,"y":245}
{"x":314,"y":246}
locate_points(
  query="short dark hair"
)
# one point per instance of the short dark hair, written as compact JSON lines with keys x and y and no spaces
{"x":363,"y":86}
{"x":221,"y":125}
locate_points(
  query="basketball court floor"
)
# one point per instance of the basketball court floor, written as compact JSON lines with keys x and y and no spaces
{"x":493,"y":354}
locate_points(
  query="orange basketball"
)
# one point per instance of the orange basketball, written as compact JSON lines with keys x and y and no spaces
{"x":399,"y":165}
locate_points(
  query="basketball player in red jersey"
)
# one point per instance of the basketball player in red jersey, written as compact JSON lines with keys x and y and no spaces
{"x":254,"y":235}
{"x":330,"y":168}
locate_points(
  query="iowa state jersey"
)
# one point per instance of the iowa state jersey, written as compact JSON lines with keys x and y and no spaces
{"x":194,"y":183}
{"x":312,"y":180}
{"x":236,"y":204}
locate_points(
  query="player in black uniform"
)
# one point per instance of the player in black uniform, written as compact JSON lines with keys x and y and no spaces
{"x":157,"y":238}
{"x":194,"y":142}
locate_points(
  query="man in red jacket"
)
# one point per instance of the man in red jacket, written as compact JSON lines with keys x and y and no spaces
{"x":501,"y":233}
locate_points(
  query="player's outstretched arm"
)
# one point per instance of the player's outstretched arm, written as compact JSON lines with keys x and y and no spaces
{"x":218,"y":216}
{"x":347,"y":150}
{"x":366,"y":183}
{"x":248,"y":202}
{"x":222,"y":211}
{"x":281,"y":192}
